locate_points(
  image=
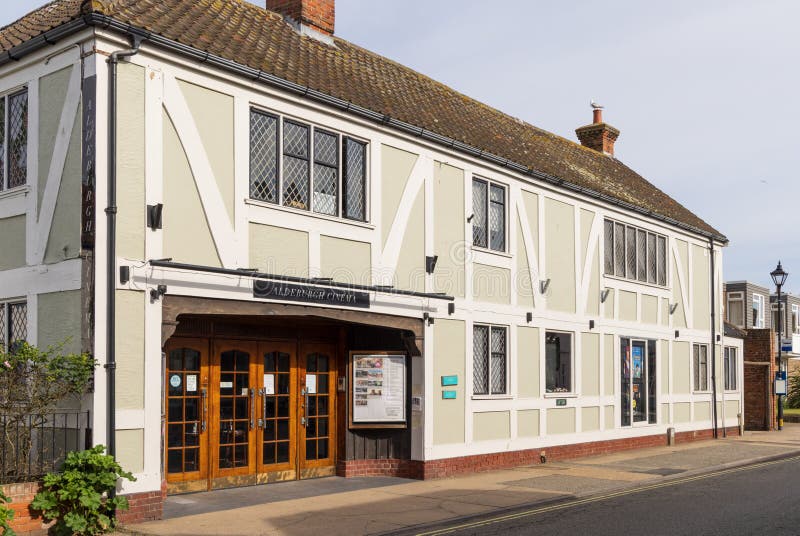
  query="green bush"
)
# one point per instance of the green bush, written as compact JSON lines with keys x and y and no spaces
{"x":78,"y":498}
{"x":6,"y":515}
{"x":793,"y":391}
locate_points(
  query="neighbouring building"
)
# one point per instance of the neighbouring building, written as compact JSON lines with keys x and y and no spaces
{"x":297,"y":258}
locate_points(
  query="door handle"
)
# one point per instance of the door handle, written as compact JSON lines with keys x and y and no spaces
{"x":303,"y":419}
{"x":252,"y":408}
{"x":262,"y":421}
{"x":204,"y":408}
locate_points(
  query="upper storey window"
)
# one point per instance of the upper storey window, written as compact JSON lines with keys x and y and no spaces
{"x":301,"y":166}
{"x":758,"y":311}
{"x":489,"y":215}
{"x":14,"y":140}
{"x":635,"y":254}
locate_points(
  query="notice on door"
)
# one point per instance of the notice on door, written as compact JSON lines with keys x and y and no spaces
{"x":379,"y":388}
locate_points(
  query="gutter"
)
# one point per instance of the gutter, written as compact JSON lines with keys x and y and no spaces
{"x":107,"y":22}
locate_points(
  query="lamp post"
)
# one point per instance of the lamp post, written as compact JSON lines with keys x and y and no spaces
{"x":779,"y":278}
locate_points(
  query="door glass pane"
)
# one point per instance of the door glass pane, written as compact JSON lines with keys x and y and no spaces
{"x":183,"y":410}
{"x":276,"y":400}
{"x":625,"y":382}
{"x":234,"y":413}
{"x":638,"y":382}
{"x":318,"y":406}
{"x":651,"y":382}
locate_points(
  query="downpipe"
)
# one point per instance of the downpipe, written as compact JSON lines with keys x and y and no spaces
{"x":713,"y":340}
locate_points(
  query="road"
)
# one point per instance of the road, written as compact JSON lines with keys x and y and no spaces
{"x":760,"y":499}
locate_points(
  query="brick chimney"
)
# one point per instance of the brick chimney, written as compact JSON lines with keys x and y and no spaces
{"x":599,"y":136}
{"x":315,"y":15}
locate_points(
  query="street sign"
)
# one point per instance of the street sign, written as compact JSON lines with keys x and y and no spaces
{"x":780,"y":382}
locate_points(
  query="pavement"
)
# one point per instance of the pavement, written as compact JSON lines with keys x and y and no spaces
{"x":353,"y":506}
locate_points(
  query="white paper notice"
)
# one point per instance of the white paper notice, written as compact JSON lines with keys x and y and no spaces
{"x":191,"y":383}
{"x":226,"y":385}
{"x":311,"y":384}
{"x":269,"y":384}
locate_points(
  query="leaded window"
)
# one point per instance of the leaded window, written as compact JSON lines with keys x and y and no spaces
{"x":701,"y":364}
{"x":307,"y":168}
{"x":558,"y":362}
{"x":488,"y":215}
{"x":13,"y":324}
{"x":14,"y":140}
{"x":490,"y":360}
{"x":730,"y":366}
{"x":635,"y":254}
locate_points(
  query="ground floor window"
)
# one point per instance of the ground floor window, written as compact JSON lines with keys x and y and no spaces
{"x":558,"y":366}
{"x":638,"y":381}
{"x":700,"y":365}
{"x":13,"y":323}
{"x":489,"y":360}
{"x":730,"y":368}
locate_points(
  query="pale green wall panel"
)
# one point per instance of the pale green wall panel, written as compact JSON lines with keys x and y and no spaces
{"x":528,"y":362}
{"x":649,"y":309}
{"x":530,"y":202}
{"x":491,"y":284}
{"x":681,"y":368}
{"x":663,"y":358}
{"x":491,"y":425}
{"x":448,"y":359}
{"x":345,"y":260}
{"x":396,"y":167}
{"x":12,"y":242}
{"x":448,"y":229}
{"x":187,"y":236}
{"x":679,"y":316}
{"x":665,"y":311}
{"x":608,"y":418}
{"x":702,"y":411}
{"x":64,"y":241}
{"x":276,"y":250}
{"x":701,"y":285}
{"x":59,"y":320}
{"x":560,"y":255}
{"x":665,"y":414}
{"x":627,"y":306}
{"x":590,"y":419}
{"x":560,"y":421}
{"x":131,"y":215}
{"x":213,"y":115}
{"x":524,"y":284}
{"x":731,"y":409}
{"x":130,"y":349}
{"x":586,"y":218}
{"x":681,"y":412}
{"x":590,"y":364}
{"x":130,"y":450}
{"x":410,"y":271}
{"x":528,"y":423}
{"x":593,"y":298}
{"x":608,"y":365}
{"x":608,"y":305}
{"x":52,"y":95}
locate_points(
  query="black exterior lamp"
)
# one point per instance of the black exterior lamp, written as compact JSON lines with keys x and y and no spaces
{"x":779,"y":278}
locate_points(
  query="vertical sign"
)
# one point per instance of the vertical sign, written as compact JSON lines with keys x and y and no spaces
{"x":88,"y":162}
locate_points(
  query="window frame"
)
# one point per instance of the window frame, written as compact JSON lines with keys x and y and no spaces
{"x":795,"y":317}
{"x":313,"y":128}
{"x":759,"y":320}
{"x":696,"y":387}
{"x":488,"y":210}
{"x":4,"y":139}
{"x":6,"y":336}
{"x":730,"y":368}
{"x":650,"y":375}
{"x":573,"y":392}
{"x":506,"y":362}
{"x":646,"y":244}
{"x":734,"y":297}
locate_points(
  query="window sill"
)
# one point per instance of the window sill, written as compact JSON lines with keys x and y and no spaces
{"x":636,"y":282}
{"x":14,"y":192}
{"x":561,"y":395}
{"x":492,"y":397}
{"x":282,"y":208}
{"x":702,"y":392}
{"x":479,"y":249}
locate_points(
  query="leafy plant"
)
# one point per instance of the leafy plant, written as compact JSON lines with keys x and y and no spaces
{"x":79,"y":498}
{"x":793,"y":392}
{"x":6,"y":515}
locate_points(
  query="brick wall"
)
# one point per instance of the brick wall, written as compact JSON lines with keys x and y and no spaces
{"x":320,"y":14}
{"x":759,"y":369}
{"x":147,"y":506}
{"x":25,"y":522}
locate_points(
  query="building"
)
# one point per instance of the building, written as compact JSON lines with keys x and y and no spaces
{"x":322,"y":262}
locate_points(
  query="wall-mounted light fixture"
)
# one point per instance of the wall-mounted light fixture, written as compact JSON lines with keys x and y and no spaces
{"x":604,"y":294}
{"x":529,"y":317}
{"x":469,"y":218}
{"x":430,"y":263}
{"x":124,"y":274}
{"x":155,"y":216}
{"x":156,"y":293}
{"x":451,"y":308}
{"x":427,"y":318}
{"x":672,"y":308}
{"x":591,"y":324}
{"x":543,"y":285}
{"x":677,"y":334}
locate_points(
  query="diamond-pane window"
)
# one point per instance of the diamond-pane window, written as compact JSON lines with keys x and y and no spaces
{"x":326,"y":173}
{"x":609,"y":247}
{"x":295,"y":165}
{"x":2,"y":146}
{"x":489,"y":360}
{"x":263,"y":157}
{"x":635,"y":254}
{"x":3,"y":326}
{"x":13,"y":324}
{"x":497,"y":218}
{"x":18,"y":139}
{"x":355,"y":180}
{"x":489,"y":215}
{"x":480,"y":233}
{"x":630,"y":252}
{"x":651,"y":258}
{"x":619,"y":250}
{"x":498,"y":361}
{"x":641,"y":255}
{"x":480,"y":361}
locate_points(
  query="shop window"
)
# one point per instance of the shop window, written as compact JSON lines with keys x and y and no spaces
{"x":490,"y":360}
{"x":489,"y":215}
{"x":730,"y":368}
{"x":14,"y":140}
{"x":13,"y":324}
{"x":635,"y":254}
{"x":638,"y":388}
{"x":701,"y":366}
{"x":558,"y":365}
{"x":307,"y":168}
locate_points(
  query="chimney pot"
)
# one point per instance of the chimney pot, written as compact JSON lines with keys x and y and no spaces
{"x":598,"y":136}
{"x":316,"y":15}
{"x":597,"y":115}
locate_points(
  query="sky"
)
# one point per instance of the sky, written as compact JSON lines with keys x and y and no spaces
{"x":705,"y":93}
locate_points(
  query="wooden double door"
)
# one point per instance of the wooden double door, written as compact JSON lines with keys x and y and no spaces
{"x":247,"y":412}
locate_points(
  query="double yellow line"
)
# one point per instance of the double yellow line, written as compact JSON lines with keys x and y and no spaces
{"x":598,"y":498}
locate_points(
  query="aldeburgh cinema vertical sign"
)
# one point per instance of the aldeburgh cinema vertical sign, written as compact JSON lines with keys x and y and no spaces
{"x":279,"y":290}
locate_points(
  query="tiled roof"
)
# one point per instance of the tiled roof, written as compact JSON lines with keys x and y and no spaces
{"x":261,"y":39}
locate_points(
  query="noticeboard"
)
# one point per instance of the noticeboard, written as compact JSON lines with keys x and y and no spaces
{"x":377,"y":390}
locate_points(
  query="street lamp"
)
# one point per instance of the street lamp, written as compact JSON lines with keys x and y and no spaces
{"x":779,"y":278}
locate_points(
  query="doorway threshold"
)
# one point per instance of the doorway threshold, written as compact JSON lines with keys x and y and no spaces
{"x":231,"y":498}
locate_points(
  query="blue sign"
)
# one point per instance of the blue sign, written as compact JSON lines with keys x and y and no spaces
{"x":449,"y":380}
{"x":448,"y":395}
{"x":780,"y":375}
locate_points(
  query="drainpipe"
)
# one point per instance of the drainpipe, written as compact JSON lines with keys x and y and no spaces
{"x":111,"y":243}
{"x":713,"y":340}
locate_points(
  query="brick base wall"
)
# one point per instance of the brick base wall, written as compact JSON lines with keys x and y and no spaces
{"x":505,"y":460}
{"x":25,"y":522}
{"x":147,"y":506}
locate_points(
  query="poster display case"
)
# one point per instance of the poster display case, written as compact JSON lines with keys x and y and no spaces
{"x":377,"y":390}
